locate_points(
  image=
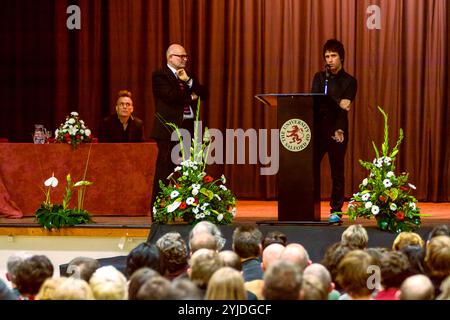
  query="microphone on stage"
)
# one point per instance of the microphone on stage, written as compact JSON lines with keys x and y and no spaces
{"x":327,"y":76}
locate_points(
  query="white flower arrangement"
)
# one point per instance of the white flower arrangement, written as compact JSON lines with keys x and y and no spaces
{"x":73,"y":131}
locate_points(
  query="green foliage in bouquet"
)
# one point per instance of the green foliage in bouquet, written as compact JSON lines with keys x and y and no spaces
{"x":191,"y":195}
{"x":384,"y":194}
{"x":73,"y":131}
{"x":51,"y":216}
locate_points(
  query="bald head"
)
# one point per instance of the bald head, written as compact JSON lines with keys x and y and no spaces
{"x":297,"y":254}
{"x":318,"y":270}
{"x":271,"y":254}
{"x":203,"y":240}
{"x":176,"y":56}
{"x":417,"y":287}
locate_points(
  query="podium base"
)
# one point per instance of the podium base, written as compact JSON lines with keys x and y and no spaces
{"x":296,"y":223}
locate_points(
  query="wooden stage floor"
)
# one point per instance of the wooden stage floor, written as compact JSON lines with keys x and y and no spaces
{"x":247,"y":211}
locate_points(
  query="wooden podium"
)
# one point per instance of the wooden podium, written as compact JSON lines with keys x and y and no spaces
{"x":298,"y":177}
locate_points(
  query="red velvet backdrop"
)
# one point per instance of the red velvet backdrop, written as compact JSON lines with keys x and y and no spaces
{"x":238,"y":48}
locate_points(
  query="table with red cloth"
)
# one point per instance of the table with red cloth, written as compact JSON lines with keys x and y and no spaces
{"x":122,"y":174}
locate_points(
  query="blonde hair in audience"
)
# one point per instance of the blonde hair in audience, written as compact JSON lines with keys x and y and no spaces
{"x":73,"y":289}
{"x":437,"y":257}
{"x":355,"y":236}
{"x":108,"y":283}
{"x":407,"y":238}
{"x":226,"y":284}
{"x":46,"y":292}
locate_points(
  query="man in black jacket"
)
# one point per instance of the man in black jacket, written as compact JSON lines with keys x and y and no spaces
{"x":122,"y":126}
{"x":331,"y":116}
{"x":176,"y":92}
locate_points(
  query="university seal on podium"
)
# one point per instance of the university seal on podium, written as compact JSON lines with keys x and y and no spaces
{"x":295,"y":135}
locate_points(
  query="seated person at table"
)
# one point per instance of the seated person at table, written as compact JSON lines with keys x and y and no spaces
{"x":122,"y":126}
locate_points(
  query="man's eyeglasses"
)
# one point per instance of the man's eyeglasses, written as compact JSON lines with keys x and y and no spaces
{"x":182,"y":56}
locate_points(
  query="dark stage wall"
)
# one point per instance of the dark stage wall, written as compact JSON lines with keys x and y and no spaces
{"x":238,"y":48}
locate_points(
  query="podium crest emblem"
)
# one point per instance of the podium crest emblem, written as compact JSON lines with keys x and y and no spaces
{"x":295,"y":135}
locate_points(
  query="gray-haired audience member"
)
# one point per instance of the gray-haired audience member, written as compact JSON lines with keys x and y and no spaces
{"x":417,"y":287}
{"x":174,"y":254}
{"x":297,"y":254}
{"x":82,"y":268}
{"x":11,"y":268}
{"x":324,"y":276}
{"x":210,"y":228}
{"x":271,"y":254}
{"x":202,"y":241}
{"x":355,"y":236}
{"x":282,"y":281}
{"x":184,"y":289}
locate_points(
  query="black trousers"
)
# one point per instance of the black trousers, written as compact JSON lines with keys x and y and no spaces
{"x":336,"y":155}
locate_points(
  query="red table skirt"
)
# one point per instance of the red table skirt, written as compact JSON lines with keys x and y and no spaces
{"x":122,"y":174}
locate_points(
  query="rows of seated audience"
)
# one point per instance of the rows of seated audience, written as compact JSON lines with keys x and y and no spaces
{"x":257,"y":268}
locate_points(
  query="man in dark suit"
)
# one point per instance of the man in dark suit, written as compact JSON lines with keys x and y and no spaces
{"x":331,"y":117}
{"x":176,"y":92}
{"x":122,"y":126}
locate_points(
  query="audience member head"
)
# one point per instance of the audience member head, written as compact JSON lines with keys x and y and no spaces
{"x":230,"y":258}
{"x":82,"y":268}
{"x":202,"y":241}
{"x":271,"y":254}
{"x":209,"y":228}
{"x":46,"y":292}
{"x":203,"y":264}
{"x":155,"y":288}
{"x":297,"y":254}
{"x":322,"y":274}
{"x":174,"y":254}
{"x":184,"y":289}
{"x":417,"y":287}
{"x":445,"y":290}
{"x":333,"y":255}
{"x":440,"y":230}
{"x":108,"y":283}
{"x":137,"y":279}
{"x":437,"y":258}
{"x":416,"y":256}
{"x":394,"y":267}
{"x":12,"y":263}
{"x":355,"y":236}
{"x":226,"y":284}
{"x":247,"y":241}
{"x":144,"y":255}
{"x":124,"y":105}
{"x":313,"y":288}
{"x":282,"y":281}
{"x":73,"y":289}
{"x":377,"y":253}
{"x":31,"y":274}
{"x":274,"y":237}
{"x":407,"y":238}
{"x":352,"y":274}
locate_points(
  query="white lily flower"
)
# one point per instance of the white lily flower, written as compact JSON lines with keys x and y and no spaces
{"x":52,"y":181}
{"x":201,"y":175}
{"x":387,"y":183}
{"x":233,"y":212}
{"x":223,"y":187}
{"x":412,"y":186}
{"x":393,"y":207}
{"x":56,"y":132}
{"x":71,"y":121}
{"x":195,"y":210}
{"x":387,"y":160}
{"x":223,"y":179}
{"x":154,"y":210}
{"x":375,"y":210}
{"x":412,"y":205}
{"x":174,"y":194}
{"x":178,"y":168}
{"x":74,"y":113}
{"x":87,"y":132}
{"x":196,"y":186}
{"x":174,"y":206}
{"x":220,"y":217}
{"x":190,"y":201}
{"x":218,"y":198}
{"x":390,"y":174}
{"x":169,"y":176}
{"x":365,"y":182}
{"x":365,"y":196}
{"x":368,"y":204}
{"x":195,"y":191}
